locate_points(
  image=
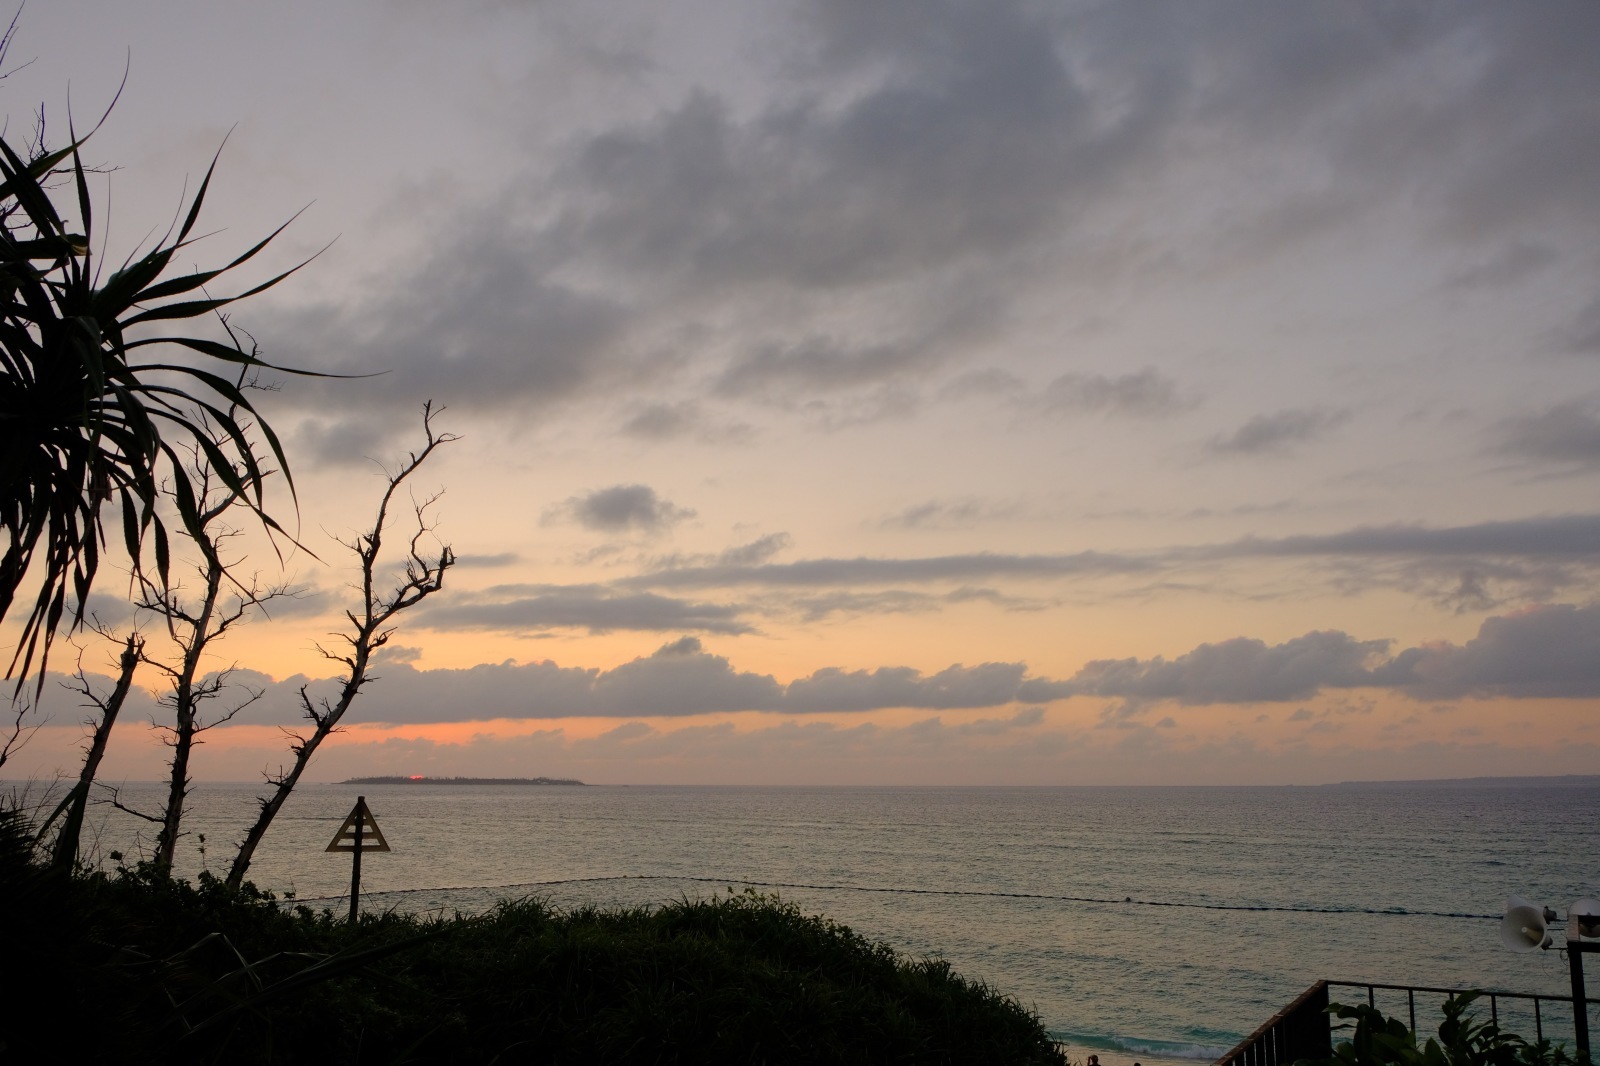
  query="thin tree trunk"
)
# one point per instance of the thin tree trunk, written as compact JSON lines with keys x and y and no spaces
{"x":64,"y":852}
{"x":326,"y":721}
{"x":177,"y":782}
{"x":185,"y":725}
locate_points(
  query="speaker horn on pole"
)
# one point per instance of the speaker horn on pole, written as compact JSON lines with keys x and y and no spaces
{"x":1524,"y":926}
{"x":1587,"y":911}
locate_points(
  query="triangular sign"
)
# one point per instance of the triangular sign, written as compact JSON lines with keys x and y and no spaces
{"x":371,"y":835}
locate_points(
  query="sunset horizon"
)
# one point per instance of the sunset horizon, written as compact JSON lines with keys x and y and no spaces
{"x":1078,"y":394}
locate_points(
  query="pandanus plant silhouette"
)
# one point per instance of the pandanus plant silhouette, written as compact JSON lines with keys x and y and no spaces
{"x":104,"y":392}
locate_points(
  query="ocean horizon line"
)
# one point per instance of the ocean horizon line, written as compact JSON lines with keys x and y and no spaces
{"x":1486,"y":781}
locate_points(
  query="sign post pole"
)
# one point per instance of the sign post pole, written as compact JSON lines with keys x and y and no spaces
{"x":355,"y":857}
{"x":359,"y":833}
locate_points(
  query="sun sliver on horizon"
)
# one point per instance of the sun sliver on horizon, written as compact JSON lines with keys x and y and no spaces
{"x":419,"y":779}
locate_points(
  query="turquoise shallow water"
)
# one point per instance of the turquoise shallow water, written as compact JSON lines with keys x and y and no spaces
{"x":1138,"y":978}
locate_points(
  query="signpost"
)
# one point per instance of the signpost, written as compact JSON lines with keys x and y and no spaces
{"x":359,"y":833}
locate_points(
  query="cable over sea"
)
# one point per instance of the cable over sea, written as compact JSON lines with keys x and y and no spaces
{"x":1157,"y":924}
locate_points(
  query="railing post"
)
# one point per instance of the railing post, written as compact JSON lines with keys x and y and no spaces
{"x":1580,"y":1000}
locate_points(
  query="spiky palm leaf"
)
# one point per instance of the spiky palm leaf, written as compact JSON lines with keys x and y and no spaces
{"x":84,"y":419}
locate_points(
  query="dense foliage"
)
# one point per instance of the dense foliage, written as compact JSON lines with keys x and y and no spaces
{"x":160,"y":970}
{"x":1463,"y":1040}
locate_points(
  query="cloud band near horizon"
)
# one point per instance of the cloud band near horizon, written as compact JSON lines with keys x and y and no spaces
{"x":1546,"y":652}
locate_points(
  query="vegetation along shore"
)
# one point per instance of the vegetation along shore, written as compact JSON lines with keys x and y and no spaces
{"x":161,"y":970}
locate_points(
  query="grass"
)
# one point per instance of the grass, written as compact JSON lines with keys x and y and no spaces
{"x":158,"y":970}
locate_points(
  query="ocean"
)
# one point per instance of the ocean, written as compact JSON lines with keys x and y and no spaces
{"x":1126,"y":917}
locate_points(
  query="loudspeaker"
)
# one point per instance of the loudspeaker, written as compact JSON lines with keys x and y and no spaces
{"x":1588,"y":912}
{"x":1523,"y":927}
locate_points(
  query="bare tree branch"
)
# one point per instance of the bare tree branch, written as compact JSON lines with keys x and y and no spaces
{"x":20,"y":733}
{"x":116,"y":801}
{"x":369,"y":631}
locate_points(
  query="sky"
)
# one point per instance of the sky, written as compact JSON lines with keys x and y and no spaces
{"x":916,"y":392}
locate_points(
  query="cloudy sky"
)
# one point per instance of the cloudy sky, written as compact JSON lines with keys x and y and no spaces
{"x":908,"y":392}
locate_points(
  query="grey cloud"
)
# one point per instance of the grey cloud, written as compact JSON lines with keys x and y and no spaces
{"x":1241,"y":670}
{"x":990,"y":382}
{"x":918,"y":152}
{"x":685,"y":420}
{"x":1468,"y":583}
{"x":848,"y":602}
{"x":1529,"y":553}
{"x":1546,"y":158}
{"x":1146,"y":394}
{"x":339,"y":442}
{"x":300,"y":601}
{"x":974,"y":594}
{"x":817,"y":364}
{"x":1547,"y":652}
{"x":1565,"y":433}
{"x":623,"y":508}
{"x":1514,"y":263}
{"x":899,"y":601}
{"x":936,"y":514}
{"x":1277,"y":433}
{"x":1508,"y":144}
{"x":992,"y":727}
{"x":496,"y":333}
{"x":988,"y":685}
{"x":750,"y":553}
{"x":756,"y":551}
{"x":111,"y":610}
{"x":1583,"y":336}
{"x":596,"y":608}
{"x":1460,"y":568}
{"x":866,"y":571}
{"x":1471,"y":589}
{"x":488,"y":561}
{"x":1543,"y":652}
{"x":660,"y":421}
{"x":965,"y":150}
{"x":1551,"y":651}
{"x":682,"y":678}
{"x":396,"y":653}
{"x":1575,"y":537}
{"x":679,"y":678}
{"x":915,"y":152}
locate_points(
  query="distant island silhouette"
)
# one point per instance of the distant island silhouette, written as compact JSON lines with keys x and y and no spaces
{"x":418,"y":780}
{"x":1521,"y":781}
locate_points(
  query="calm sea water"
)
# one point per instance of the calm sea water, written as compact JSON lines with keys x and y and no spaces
{"x":1126,"y":979}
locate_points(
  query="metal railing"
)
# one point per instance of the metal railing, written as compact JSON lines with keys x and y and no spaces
{"x":1298,"y":1031}
{"x":1303,"y":1029}
{"x":1494,"y":997}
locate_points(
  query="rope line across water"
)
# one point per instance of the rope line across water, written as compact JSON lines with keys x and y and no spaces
{"x":1397,"y":912}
